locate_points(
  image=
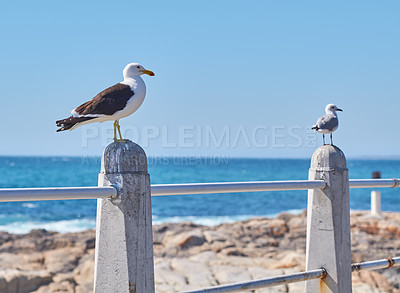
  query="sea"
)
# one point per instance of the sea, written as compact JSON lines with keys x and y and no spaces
{"x":209,"y":209}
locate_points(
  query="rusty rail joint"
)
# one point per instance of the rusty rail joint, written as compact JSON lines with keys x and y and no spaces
{"x":391,"y":262}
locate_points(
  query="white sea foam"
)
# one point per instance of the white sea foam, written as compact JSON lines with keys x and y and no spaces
{"x":59,"y":226}
{"x":207,"y":221}
{"x":29,"y":205}
{"x":215,"y":220}
{"x":76,"y":225}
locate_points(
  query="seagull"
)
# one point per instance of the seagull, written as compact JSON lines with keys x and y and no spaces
{"x":329,"y":122}
{"x":112,"y":104}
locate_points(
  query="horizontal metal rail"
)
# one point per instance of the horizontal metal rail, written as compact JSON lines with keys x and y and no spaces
{"x":65,"y":193}
{"x":297,"y":277}
{"x":62,"y":193}
{"x":230,"y":187}
{"x":263,"y":283}
{"x":376,"y":264}
{"x":227,"y":187}
{"x":374,"y":183}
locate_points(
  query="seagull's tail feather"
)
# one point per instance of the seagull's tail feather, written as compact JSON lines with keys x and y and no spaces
{"x":315,"y":127}
{"x":70,"y":122}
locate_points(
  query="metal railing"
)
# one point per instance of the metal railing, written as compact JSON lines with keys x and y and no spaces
{"x":69,"y":193}
{"x":60,"y":193}
{"x":297,"y":277}
{"x":264,"y":283}
{"x":228,"y":187}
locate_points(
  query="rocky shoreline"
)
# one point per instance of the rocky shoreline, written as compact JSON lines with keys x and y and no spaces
{"x":190,"y":256}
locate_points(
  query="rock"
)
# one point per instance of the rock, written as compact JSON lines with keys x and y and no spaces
{"x":191,"y":240}
{"x":184,"y":240}
{"x":364,"y":288}
{"x":204,"y":257}
{"x":10,"y":260}
{"x":197,"y":274}
{"x":61,"y":283}
{"x":166,"y":279}
{"x":285,"y":216}
{"x":392,"y":275}
{"x":62,"y":260}
{"x":291,"y":260}
{"x":190,"y":256}
{"x":233,"y":251}
{"x":42,"y":240}
{"x":17,"y":281}
{"x":84,"y":271}
{"x":214,"y":236}
{"x":373,"y":279}
{"x":225,"y":274}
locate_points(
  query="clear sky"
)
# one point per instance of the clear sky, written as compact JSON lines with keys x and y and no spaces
{"x":234,"y":78}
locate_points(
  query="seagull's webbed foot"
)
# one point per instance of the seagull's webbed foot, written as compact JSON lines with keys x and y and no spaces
{"x":121,"y":140}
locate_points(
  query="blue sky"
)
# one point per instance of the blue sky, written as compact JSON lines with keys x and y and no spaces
{"x":234,"y":78}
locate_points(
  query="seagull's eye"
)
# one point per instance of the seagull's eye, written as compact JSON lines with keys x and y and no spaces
{"x":137,"y":66}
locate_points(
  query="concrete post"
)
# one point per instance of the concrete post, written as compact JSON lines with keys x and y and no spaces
{"x":376,"y":197}
{"x":124,"y":241}
{"x":376,"y":203}
{"x":328,"y":222}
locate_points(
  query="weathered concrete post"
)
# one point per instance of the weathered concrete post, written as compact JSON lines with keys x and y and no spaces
{"x":328,"y":222}
{"x":124,"y":241}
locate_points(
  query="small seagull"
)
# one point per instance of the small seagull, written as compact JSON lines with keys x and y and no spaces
{"x":112,"y":104}
{"x":329,"y":122}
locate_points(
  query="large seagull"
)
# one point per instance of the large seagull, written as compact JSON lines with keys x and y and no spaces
{"x":112,"y":104}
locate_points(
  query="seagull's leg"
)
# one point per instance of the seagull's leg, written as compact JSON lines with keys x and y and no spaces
{"x":119,"y":132}
{"x":323,"y":138}
{"x":331,"y":139}
{"x":115,"y":130}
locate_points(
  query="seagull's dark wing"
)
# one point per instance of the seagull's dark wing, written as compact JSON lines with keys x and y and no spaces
{"x":70,"y":122}
{"x":107,"y":102}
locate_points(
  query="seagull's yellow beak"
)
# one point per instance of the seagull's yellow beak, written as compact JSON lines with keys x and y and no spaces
{"x":149,"y":72}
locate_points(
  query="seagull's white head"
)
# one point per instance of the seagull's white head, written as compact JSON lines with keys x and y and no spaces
{"x":332,"y":108}
{"x":135,"y":69}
